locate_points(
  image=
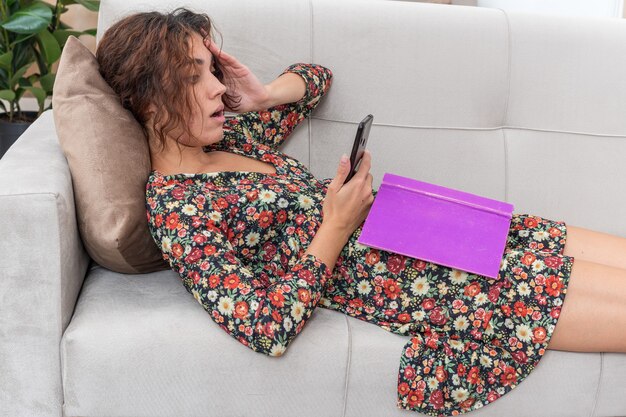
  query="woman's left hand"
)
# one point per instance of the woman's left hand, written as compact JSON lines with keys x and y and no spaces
{"x":239,"y":80}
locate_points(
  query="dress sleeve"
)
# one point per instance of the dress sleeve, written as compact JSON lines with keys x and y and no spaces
{"x":262,"y":316}
{"x":272,"y":126}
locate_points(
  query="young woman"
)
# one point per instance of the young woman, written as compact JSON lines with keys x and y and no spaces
{"x":260,"y":242}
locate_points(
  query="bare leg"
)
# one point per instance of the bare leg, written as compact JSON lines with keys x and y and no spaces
{"x":593,"y":314}
{"x":598,"y":247}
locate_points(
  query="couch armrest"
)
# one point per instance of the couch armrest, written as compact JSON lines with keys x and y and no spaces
{"x":42,"y":267}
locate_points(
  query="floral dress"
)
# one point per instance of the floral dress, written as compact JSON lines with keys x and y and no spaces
{"x":237,"y":240}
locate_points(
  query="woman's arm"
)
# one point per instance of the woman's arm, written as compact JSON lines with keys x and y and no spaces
{"x":272,"y":126}
{"x":287,"y":88}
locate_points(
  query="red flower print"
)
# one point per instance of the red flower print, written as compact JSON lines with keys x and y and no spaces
{"x":158,"y":219}
{"x":404,"y":318}
{"x":472,"y":289}
{"x":300,"y":218}
{"x":492,"y":396}
{"x":441,"y":374}
{"x":528,"y":258}
{"x":276,"y":316}
{"x":292,"y":118}
{"x":520,"y":309}
{"x":241,"y":310}
{"x":539,"y":334}
{"x":392,"y":289}
{"x":437,"y":317}
{"x":457,"y":304}
{"x":395,"y":263}
{"x":372,"y":257}
{"x":270,"y":250}
{"x":467,"y":403}
{"x":265,"y":116}
{"x":415,"y":398}
{"x":268,"y":329}
{"x":356,"y":303}
{"x":553,"y":262}
{"x":554,"y":232}
{"x":506,"y":310}
{"x":277,"y":298}
{"x":409,"y":373}
{"x":281,"y":216}
{"x":231,"y":281}
{"x":172,"y":221}
{"x":519,"y":356}
{"x":553,"y":285}
{"x":473,"y":375}
{"x":307,"y":275}
{"x":214,"y":281}
{"x":461,"y":369}
{"x":265,"y":219}
{"x":403,"y":388}
{"x":493,"y":294}
{"x":178,"y":193}
{"x":195,"y":276}
{"x":390,"y":312}
{"x":530,"y":222}
{"x":252,"y":195}
{"x":177,"y":250}
{"x":193,"y":256}
{"x":436,"y":399}
{"x":209,"y":250}
{"x":339,"y":299}
{"x":418,"y":265}
{"x":220,"y":204}
{"x":508,"y":377}
{"x":428,"y":303}
{"x":555,"y":313}
{"x":304,"y":295}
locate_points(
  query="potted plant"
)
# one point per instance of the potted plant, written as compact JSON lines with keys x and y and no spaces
{"x":30,"y":31}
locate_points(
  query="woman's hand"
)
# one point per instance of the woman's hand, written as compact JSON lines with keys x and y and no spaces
{"x":346,"y":205}
{"x":239,"y":80}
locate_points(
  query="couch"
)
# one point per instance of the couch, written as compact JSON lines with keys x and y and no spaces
{"x":521,"y":107}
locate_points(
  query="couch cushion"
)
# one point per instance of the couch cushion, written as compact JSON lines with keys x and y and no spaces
{"x":109,"y":160}
{"x":142,"y":345}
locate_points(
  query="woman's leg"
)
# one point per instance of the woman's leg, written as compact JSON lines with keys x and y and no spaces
{"x":598,"y":247}
{"x":593,"y":314}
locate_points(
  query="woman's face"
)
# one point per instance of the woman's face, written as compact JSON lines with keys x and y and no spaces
{"x":207,"y":117}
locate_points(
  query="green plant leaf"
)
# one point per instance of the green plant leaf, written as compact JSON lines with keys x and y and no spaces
{"x":5,"y":60}
{"x":31,"y":19}
{"x":50,"y":46}
{"x":93,"y":5}
{"x":91,"y":31}
{"x":21,"y":39}
{"x":18,"y":74}
{"x":47,"y":82}
{"x":61,"y":35}
{"x":7,"y":95}
{"x":25,"y":82}
{"x":39,"y":93}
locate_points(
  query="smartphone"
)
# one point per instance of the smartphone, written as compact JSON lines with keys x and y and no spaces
{"x":358,"y":147}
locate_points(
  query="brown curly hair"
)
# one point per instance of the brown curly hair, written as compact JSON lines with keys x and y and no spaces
{"x":146,"y":59}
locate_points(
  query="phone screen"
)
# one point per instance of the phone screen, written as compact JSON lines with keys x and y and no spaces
{"x":358,"y":147}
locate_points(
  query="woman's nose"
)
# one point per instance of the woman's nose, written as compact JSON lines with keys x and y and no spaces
{"x":218,"y":88}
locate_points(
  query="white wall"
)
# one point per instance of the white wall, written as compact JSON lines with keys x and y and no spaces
{"x":597,"y":8}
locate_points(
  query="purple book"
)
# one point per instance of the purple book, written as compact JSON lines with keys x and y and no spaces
{"x":438,"y":224}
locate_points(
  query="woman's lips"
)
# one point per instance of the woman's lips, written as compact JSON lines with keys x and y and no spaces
{"x":219,"y":116}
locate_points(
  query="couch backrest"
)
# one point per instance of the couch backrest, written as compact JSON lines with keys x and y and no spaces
{"x":522,"y":107}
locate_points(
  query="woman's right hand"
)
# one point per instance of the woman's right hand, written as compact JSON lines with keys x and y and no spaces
{"x":346,"y":205}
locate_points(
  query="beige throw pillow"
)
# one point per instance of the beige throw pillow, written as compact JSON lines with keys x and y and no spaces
{"x":109,"y":161}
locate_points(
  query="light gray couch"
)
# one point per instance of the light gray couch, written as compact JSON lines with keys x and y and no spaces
{"x":526,"y":108}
